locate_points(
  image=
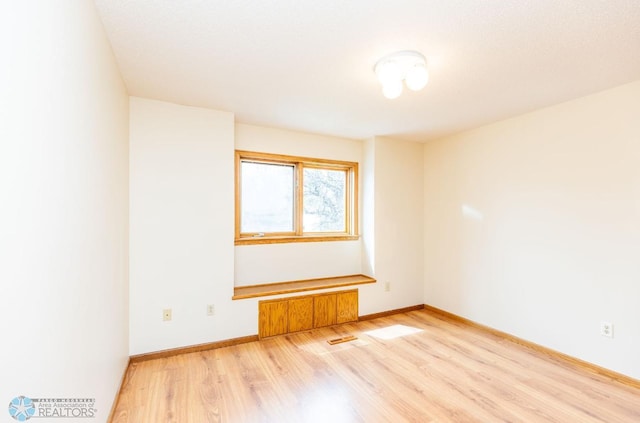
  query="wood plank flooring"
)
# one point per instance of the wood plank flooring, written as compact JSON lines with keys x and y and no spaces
{"x":447,"y":372}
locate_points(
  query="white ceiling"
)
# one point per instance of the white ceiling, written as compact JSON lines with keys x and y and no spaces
{"x":307,"y":64}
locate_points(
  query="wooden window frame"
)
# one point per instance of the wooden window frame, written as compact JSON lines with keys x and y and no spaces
{"x":299,"y":164}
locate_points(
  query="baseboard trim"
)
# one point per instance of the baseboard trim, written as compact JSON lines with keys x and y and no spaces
{"x":551,"y":353}
{"x":390,"y":312}
{"x":193,"y":348}
{"x":243,"y":340}
{"x":114,"y":405}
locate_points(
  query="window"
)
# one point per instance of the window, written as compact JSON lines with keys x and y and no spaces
{"x":293,"y":199}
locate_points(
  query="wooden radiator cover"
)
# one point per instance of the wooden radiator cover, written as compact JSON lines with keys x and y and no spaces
{"x":294,"y":314}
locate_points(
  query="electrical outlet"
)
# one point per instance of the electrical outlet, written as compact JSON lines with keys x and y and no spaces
{"x":166,"y":314}
{"x":387,"y":286}
{"x":211,"y":310}
{"x":606,"y":329}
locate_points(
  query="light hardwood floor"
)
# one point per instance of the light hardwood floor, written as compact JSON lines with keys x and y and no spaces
{"x":447,"y":372}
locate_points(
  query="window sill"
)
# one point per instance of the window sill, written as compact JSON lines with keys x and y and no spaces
{"x":286,"y":239}
{"x":264,"y":290}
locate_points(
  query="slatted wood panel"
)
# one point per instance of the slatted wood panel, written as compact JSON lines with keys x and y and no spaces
{"x":307,"y":312}
{"x":273,"y":318}
{"x":300,"y":314}
{"x":324,"y":310}
{"x":448,"y":372}
{"x":347,"y":306}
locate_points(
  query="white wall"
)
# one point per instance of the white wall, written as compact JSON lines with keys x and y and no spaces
{"x":63,"y":206}
{"x":393,"y":208}
{"x":266,"y":263}
{"x":182,"y":225}
{"x":182,"y":217}
{"x":549,"y":242}
{"x":367,"y":207}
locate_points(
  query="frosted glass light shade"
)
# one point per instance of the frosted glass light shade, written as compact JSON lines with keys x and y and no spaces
{"x":417,"y":77}
{"x":392,"y":89}
{"x":406,"y":66}
{"x":389,"y":72}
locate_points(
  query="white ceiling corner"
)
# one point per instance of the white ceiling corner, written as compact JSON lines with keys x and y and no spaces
{"x":308,"y":65}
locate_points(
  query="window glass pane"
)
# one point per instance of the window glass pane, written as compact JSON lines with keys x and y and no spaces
{"x":266,"y":197}
{"x":324,"y":200}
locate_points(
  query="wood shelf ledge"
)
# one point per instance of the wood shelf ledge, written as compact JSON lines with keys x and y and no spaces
{"x":267,"y":289}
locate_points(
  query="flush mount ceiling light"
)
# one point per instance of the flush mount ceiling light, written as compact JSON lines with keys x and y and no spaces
{"x":408,"y":66}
